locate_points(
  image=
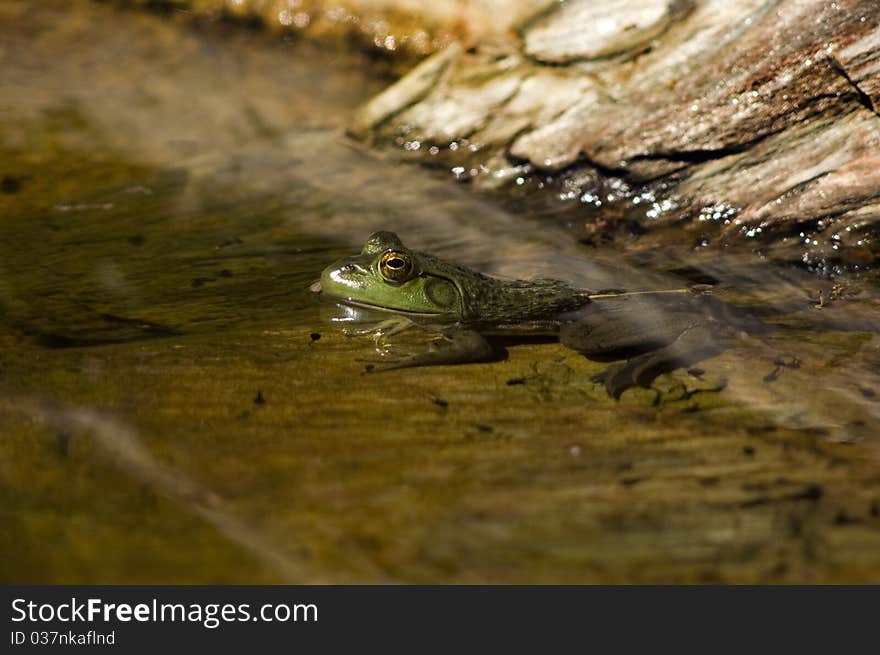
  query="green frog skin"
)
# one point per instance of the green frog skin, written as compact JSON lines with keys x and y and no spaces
{"x":463,"y":310}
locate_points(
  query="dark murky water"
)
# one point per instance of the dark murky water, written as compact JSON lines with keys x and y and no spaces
{"x":168,"y":194}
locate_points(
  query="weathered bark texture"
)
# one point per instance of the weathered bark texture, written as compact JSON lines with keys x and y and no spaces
{"x":759,"y":119}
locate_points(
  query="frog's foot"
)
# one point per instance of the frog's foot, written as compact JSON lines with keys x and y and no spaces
{"x":381,"y":330}
{"x":693,"y":345}
{"x":452,"y":347}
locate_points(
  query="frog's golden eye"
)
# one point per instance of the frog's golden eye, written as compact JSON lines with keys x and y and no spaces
{"x":396,"y":266}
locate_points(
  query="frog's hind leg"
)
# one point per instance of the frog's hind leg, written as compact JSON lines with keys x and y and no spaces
{"x":608,"y":335}
{"x":694,"y":344}
{"x":456,"y":346}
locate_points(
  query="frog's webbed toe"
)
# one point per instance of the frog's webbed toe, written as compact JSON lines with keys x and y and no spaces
{"x":653,"y":336}
{"x":693,"y":345}
{"x":381,"y":330}
{"x":455,"y":346}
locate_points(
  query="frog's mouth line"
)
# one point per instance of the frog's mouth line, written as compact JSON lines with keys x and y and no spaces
{"x":382,"y":308}
{"x":315,"y":287}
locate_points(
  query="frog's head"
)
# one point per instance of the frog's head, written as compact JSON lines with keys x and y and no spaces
{"x":388,"y":276}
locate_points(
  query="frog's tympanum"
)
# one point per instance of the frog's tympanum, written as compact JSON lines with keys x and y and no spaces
{"x":466,"y":312}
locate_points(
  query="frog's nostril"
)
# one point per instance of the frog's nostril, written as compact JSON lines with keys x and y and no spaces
{"x":348,"y":268}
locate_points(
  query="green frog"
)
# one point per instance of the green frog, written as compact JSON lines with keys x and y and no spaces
{"x":470,"y":315}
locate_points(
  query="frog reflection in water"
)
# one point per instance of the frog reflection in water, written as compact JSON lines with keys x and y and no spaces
{"x":467,"y":312}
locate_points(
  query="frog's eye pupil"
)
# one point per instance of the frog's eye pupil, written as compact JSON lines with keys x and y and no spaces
{"x":396,"y":267}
